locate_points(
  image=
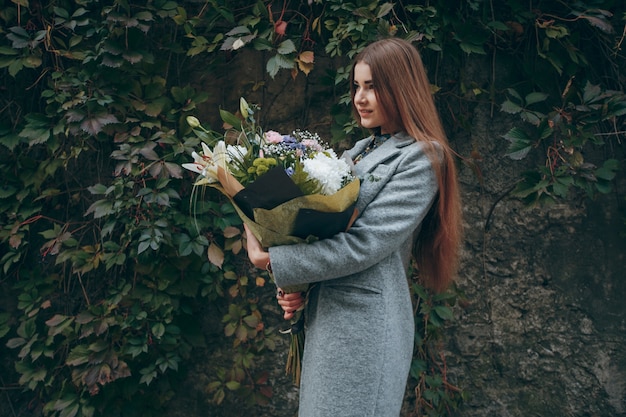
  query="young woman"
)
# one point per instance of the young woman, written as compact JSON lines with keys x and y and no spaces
{"x":359,"y":316}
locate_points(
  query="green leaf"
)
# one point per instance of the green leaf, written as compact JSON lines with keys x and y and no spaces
{"x":444,"y":312}
{"x":56,"y":320}
{"x":61,"y":12}
{"x":536,"y":97}
{"x":556,"y":31}
{"x":469,"y":48}
{"x":58,"y":324}
{"x":262,"y":44}
{"x":229,"y":329}
{"x":10,"y":140}
{"x":238,"y":30}
{"x":286,"y":47}
{"x":532,"y":117}
{"x":70,"y":411}
{"x":233,"y":385}
{"x":277,"y":62}
{"x":560,"y":189}
{"x":16,"y":342}
{"x":230,"y":119}
{"x":147,"y":376}
{"x":35,"y":135}
{"x":4,"y":324}
{"x":384,"y":10}
{"x":251,"y":320}
{"x":15,"y":67}
{"x":518,"y":150}
{"x":180,"y":94}
{"x":604,"y":186}
{"x":100,"y":208}
{"x":520,"y":145}
{"x":544,"y":130}
{"x":497,"y":25}
{"x":94,"y":125}
{"x":515,"y":135}
{"x":509,"y":107}
{"x":5,"y":50}
{"x":98,"y":189}
{"x":515,"y":94}
{"x":158,"y":330}
{"x":591,"y":92}
{"x":78,"y":356}
{"x":608,"y":170}
{"x":145,"y":16}
{"x":156,"y":106}
{"x":531,"y":184}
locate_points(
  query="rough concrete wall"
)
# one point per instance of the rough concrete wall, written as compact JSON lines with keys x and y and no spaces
{"x":544,"y":331}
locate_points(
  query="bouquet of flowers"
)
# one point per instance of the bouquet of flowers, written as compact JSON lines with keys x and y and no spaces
{"x":286,"y":188}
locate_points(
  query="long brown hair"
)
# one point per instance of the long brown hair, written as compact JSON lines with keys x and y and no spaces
{"x":404,"y":95}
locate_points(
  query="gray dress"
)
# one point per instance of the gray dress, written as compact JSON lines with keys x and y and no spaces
{"x":359,"y":319}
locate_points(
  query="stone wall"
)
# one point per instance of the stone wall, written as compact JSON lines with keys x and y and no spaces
{"x":544,"y":330}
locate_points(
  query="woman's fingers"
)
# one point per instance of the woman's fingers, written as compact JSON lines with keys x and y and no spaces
{"x":290,"y":303}
{"x":292,"y":296}
{"x":257,"y":255}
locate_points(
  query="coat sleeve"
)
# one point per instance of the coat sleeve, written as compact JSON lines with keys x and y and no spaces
{"x":395,"y":212}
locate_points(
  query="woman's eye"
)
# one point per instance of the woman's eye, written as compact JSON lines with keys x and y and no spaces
{"x":365,"y":87}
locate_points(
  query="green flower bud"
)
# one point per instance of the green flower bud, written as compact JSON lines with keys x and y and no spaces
{"x":193,"y":122}
{"x":244,"y":108}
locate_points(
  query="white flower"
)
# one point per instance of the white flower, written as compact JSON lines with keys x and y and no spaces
{"x":238,"y":44}
{"x":236,"y":152}
{"x":329,"y":171}
{"x":207,"y":162}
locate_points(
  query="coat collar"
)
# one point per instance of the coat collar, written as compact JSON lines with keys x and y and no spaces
{"x":390,"y":148}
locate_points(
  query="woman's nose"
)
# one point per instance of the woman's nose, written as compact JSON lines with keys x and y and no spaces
{"x":359,"y":97}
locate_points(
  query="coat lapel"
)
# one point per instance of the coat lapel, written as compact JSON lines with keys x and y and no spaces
{"x":389,"y":149}
{"x":371,"y":169}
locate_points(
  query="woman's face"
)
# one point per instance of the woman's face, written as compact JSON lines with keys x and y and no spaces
{"x":365,"y":101}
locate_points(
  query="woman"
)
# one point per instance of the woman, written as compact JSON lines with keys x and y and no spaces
{"x":359,"y":316}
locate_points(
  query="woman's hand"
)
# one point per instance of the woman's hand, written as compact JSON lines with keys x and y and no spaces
{"x":290,"y":303}
{"x":259,"y":257}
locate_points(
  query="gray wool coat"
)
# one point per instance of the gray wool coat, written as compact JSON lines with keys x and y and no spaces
{"x":359,"y":317}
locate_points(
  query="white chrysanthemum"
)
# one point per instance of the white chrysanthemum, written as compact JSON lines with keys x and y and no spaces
{"x":329,"y":171}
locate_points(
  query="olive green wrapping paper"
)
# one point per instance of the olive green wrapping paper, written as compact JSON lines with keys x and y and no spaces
{"x":282,"y":218}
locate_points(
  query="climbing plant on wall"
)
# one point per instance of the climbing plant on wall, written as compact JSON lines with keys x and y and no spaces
{"x":105,"y":260}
